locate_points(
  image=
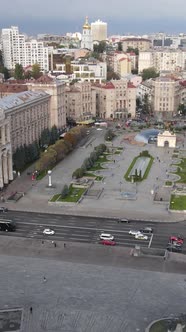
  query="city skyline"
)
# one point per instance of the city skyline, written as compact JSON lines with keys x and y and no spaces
{"x":136,"y":18}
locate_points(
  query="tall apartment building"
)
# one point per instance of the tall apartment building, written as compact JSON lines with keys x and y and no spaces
{"x":162,"y":60}
{"x":99,"y":30}
{"x":16,"y":49}
{"x":28,"y":114}
{"x":165,"y":97}
{"x":80,"y":101}
{"x":115,"y":99}
{"x":141,"y":44}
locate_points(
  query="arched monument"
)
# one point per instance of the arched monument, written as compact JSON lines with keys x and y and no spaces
{"x":166,"y":139}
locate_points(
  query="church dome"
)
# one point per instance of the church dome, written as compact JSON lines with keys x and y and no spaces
{"x":86,"y":24}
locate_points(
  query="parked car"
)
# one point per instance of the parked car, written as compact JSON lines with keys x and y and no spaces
{"x":106,"y":236}
{"x":141,"y":236}
{"x":108,"y":242}
{"x":178,"y":239}
{"x":174,"y":247}
{"x":146,"y":230}
{"x":3,"y":209}
{"x":48,"y":231}
{"x":134,"y":232}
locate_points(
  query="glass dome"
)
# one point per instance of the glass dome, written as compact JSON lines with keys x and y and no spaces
{"x":146,"y":135}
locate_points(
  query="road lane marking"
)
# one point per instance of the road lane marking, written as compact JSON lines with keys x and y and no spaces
{"x":150,"y":242}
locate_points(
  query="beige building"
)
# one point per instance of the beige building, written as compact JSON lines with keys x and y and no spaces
{"x":56,"y":90}
{"x":123,"y":67}
{"x":6,"y":169}
{"x":99,"y":30}
{"x":165,"y":96}
{"x":141,"y":44}
{"x":116,"y":99}
{"x":80,"y":101}
{"x":28,"y":114}
{"x":166,"y":139}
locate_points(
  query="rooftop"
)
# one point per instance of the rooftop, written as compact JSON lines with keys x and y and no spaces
{"x":21,"y":98}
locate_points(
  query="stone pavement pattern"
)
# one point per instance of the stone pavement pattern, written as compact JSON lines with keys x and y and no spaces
{"x":87,"y":297}
{"x":111,"y":202}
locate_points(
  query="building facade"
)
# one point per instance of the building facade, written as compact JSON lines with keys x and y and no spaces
{"x":28,"y":114}
{"x":16,"y":49}
{"x":99,"y":30}
{"x":86,"y":39}
{"x":141,"y":44}
{"x":56,"y":90}
{"x":116,"y":99}
{"x":80,"y":101}
{"x":165,"y":97}
{"x":6,"y":168}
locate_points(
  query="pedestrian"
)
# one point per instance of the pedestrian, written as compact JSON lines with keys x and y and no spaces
{"x":55,"y":245}
{"x":64,"y":245}
{"x":31,"y":310}
{"x":44,"y":279}
{"x":42,"y":242}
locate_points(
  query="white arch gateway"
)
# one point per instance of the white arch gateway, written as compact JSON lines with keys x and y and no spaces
{"x":166,"y":139}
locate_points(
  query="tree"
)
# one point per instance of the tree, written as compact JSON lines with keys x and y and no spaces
{"x":101,"y":47}
{"x":18,"y":72}
{"x":65,"y":191}
{"x":109,"y":135}
{"x":54,"y":135}
{"x":120,"y":46}
{"x":36,"y":71}
{"x":78,"y":173}
{"x":181,"y":109}
{"x":131,"y":49}
{"x":45,"y":138}
{"x":5,"y":71}
{"x":111,"y":75}
{"x":145,"y":104}
{"x":149,"y":73}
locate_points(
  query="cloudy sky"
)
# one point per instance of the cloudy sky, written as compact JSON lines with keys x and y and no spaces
{"x":61,"y":16}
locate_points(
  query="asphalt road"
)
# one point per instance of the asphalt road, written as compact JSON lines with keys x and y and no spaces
{"x":88,"y":229}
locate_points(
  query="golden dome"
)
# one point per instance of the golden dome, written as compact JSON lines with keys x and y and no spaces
{"x":86,"y":24}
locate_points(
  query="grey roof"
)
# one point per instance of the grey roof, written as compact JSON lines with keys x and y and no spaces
{"x":21,"y":98}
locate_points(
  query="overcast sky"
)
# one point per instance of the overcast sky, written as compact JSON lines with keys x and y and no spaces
{"x":60,"y":16}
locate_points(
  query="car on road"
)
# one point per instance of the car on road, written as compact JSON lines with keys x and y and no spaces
{"x":3,"y":209}
{"x":146,"y":230}
{"x":178,"y":239}
{"x":134,"y":232}
{"x":48,"y":231}
{"x":106,"y":236}
{"x":108,"y":242}
{"x":141,"y":236}
{"x":174,"y":247}
{"x":124,"y":220}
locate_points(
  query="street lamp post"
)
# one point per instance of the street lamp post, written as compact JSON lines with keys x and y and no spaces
{"x":50,"y":178}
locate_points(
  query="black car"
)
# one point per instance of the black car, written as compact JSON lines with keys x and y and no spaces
{"x":3,"y":209}
{"x":124,"y":220}
{"x":174,"y":247}
{"x":146,"y":230}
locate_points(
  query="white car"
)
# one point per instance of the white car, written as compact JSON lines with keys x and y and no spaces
{"x":134,"y":232}
{"x":48,"y":231}
{"x":141,"y":236}
{"x":106,"y":236}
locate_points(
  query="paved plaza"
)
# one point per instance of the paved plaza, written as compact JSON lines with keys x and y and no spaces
{"x":78,"y":290}
{"x":112,"y":202}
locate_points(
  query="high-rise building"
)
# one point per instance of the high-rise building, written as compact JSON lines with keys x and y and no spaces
{"x":86,"y":39}
{"x":16,"y":49}
{"x":99,"y":30}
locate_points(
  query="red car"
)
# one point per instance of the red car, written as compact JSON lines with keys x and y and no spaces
{"x":108,"y":242}
{"x":177,"y":239}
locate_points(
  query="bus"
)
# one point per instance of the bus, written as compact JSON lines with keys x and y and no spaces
{"x":7,"y":225}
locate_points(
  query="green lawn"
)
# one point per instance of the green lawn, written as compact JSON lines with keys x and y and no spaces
{"x":161,"y":326}
{"x":168,"y":183}
{"x":73,"y":195}
{"x":97,"y":177}
{"x":97,"y":165}
{"x":182,"y":170}
{"x":126,"y":176}
{"x":178,"y":202}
